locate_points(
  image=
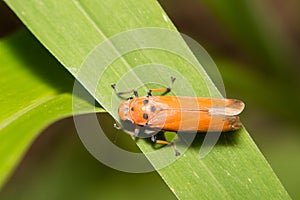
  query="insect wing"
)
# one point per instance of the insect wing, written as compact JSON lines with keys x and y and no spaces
{"x":199,"y":114}
{"x":230,"y":107}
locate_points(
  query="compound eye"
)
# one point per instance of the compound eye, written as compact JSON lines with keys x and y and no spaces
{"x":132,"y":109}
{"x":145,"y":116}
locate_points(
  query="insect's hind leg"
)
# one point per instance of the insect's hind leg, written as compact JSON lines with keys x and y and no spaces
{"x":135,"y":93}
{"x":153,"y":139}
{"x":164,"y":90}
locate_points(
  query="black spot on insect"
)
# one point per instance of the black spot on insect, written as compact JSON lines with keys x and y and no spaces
{"x":153,"y":109}
{"x":145,"y":116}
{"x":145,"y":101}
{"x":132,"y":109}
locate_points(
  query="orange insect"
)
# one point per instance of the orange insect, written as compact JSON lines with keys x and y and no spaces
{"x":173,"y":113}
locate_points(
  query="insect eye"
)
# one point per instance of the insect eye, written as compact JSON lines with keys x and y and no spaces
{"x":145,"y":116}
{"x":153,"y":109}
{"x":132,"y":109}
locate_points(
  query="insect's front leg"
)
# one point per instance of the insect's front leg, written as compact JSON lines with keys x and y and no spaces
{"x":164,"y":90}
{"x":133,"y":132}
{"x":136,"y":131}
{"x":135,"y":93}
{"x":117,"y":126}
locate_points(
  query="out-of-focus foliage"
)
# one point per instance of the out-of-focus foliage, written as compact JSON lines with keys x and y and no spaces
{"x":34,"y":94}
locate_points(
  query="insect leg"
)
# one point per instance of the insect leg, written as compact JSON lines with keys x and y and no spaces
{"x":153,"y":139}
{"x":117,"y":126}
{"x":135,"y":93}
{"x":133,"y":133}
{"x":164,"y":90}
{"x":137,"y":131}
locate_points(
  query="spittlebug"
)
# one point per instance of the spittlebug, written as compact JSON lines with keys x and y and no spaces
{"x":174,"y":113}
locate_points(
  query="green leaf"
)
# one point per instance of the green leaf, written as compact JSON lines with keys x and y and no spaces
{"x":35,"y":92}
{"x":71,"y":29}
{"x":58,"y":166}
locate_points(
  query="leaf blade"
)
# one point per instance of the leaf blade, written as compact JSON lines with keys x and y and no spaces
{"x":29,"y":102}
{"x":132,"y":18}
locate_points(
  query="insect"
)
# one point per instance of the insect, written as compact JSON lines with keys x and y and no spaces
{"x":174,"y":113}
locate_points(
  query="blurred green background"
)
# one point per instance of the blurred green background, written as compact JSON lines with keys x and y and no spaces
{"x":255,"y":45}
